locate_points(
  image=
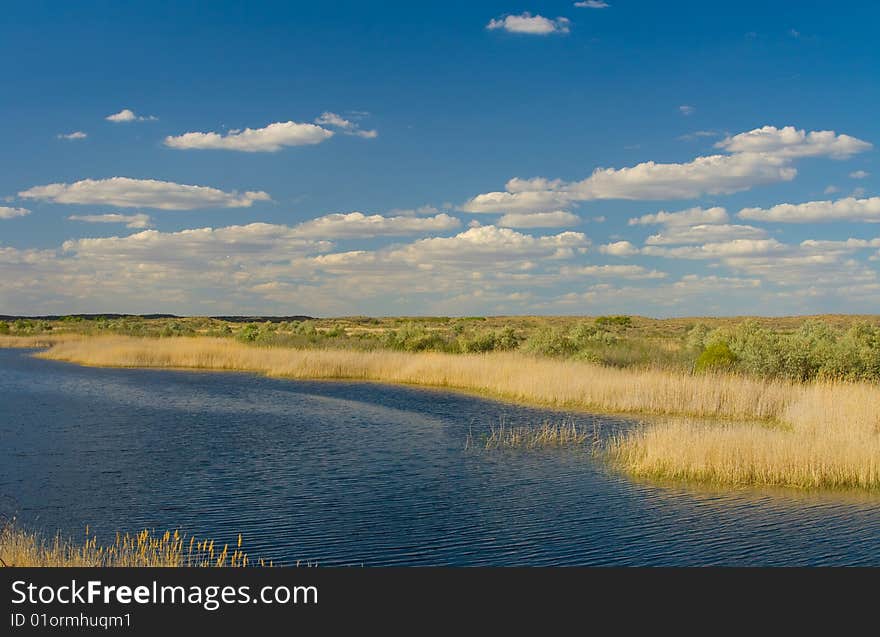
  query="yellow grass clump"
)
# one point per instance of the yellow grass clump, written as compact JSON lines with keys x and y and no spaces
{"x":831,"y":441}
{"x":22,"y":548}
{"x":820,"y":434}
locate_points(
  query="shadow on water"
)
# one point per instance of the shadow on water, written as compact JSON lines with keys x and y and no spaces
{"x":357,"y":473}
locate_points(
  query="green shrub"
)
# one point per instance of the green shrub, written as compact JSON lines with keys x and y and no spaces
{"x":614,"y":321}
{"x":716,"y":357}
{"x":549,"y":341}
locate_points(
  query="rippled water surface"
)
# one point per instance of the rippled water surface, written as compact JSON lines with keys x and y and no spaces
{"x":352,"y":473}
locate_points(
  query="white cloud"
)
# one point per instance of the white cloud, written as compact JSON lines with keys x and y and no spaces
{"x":501,"y":244}
{"x":357,"y":224}
{"x":686,"y":217}
{"x":142,"y":193}
{"x":859,"y":174}
{"x":848,"y":245}
{"x":195,"y":248}
{"x":847,"y":209}
{"x":830,"y":190}
{"x":716,"y":174}
{"x":347,"y":126}
{"x":792,"y":142}
{"x":72,"y":136}
{"x":689,"y":137}
{"x":518,"y":201}
{"x":694,"y":283}
{"x":704,"y":233}
{"x":619,"y":249}
{"x":138,"y":220}
{"x":719,"y":250}
{"x":128,"y":115}
{"x":592,"y":4}
{"x":269,"y":139}
{"x":686,"y":109}
{"x":10,"y":213}
{"x":761,"y":156}
{"x":530,"y":24}
{"x":634,"y":272}
{"x":554,"y":219}
{"x":332,"y":119}
{"x":421,"y":211}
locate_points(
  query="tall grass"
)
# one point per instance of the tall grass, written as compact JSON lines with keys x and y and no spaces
{"x":546,"y":435}
{"x":40,"y":340}
{"x":507,"y":375}
{"x":821,"y":433}
{"x":22,"y":548}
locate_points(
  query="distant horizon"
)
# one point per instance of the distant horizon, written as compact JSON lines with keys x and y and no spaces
{"x":554,"y":158}
{"x":303,"y":317}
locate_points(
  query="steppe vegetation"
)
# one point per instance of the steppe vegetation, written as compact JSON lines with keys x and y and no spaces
{"x":770,"y":401}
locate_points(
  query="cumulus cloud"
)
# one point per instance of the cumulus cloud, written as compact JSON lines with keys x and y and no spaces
{"x":138,"y":220}
{"x":502,"y":244}
{"x":269,"y":139}
{"x":718,"y":250}
{"x":421,"y":211}
{"x":530,"y":24}
{"x":128,"y":115}
{"x":592,"y":4}
{"x":686,"y":109}
{"x":10,"y":213}
{"x":715,"y":174}
{"x":847,"y":209}
{"x":712,"y":283}
{"x":194,"y":248}
{"x":704,"y":233}
{"x":126,"y":192}
{"x":357,"y":224}
{"x":762,"y":156}
{"x":554,"y":219}
{"x":686,"y":217}
{"x":347,"y":126}
{"x":859,"y":174}
{"x":634,"y":272}
{"x":619,"y":249}
{"x":792,"y":142}
{"x":72,"y":136}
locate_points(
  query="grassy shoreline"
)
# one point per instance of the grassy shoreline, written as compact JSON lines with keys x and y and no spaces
{"x":21,"y":548}
{"x":823,"y":434}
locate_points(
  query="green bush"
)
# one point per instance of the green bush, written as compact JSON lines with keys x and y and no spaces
{"x":549,"y":341}
{"x":614,"y":321}
{"x":716,"y":357}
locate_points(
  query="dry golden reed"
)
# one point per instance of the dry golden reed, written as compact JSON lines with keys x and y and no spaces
{"x":823,"y":434}
{"x":512,"y":376}
{"x":546,"y":435}
{"x":22,"y":548}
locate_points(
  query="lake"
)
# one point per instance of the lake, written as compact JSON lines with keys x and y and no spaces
{"x":344,"y":473}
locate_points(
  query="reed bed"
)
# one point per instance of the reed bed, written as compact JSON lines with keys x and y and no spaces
{"x":547,"y":435}
{"x":831,"y":441}
{"x":38,"y":340}
{"x":23,"y":548}
{"x":823,"y":433}
{"x":508,"y":375}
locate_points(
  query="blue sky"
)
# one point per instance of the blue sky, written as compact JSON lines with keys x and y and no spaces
{"x":393,"y":151}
